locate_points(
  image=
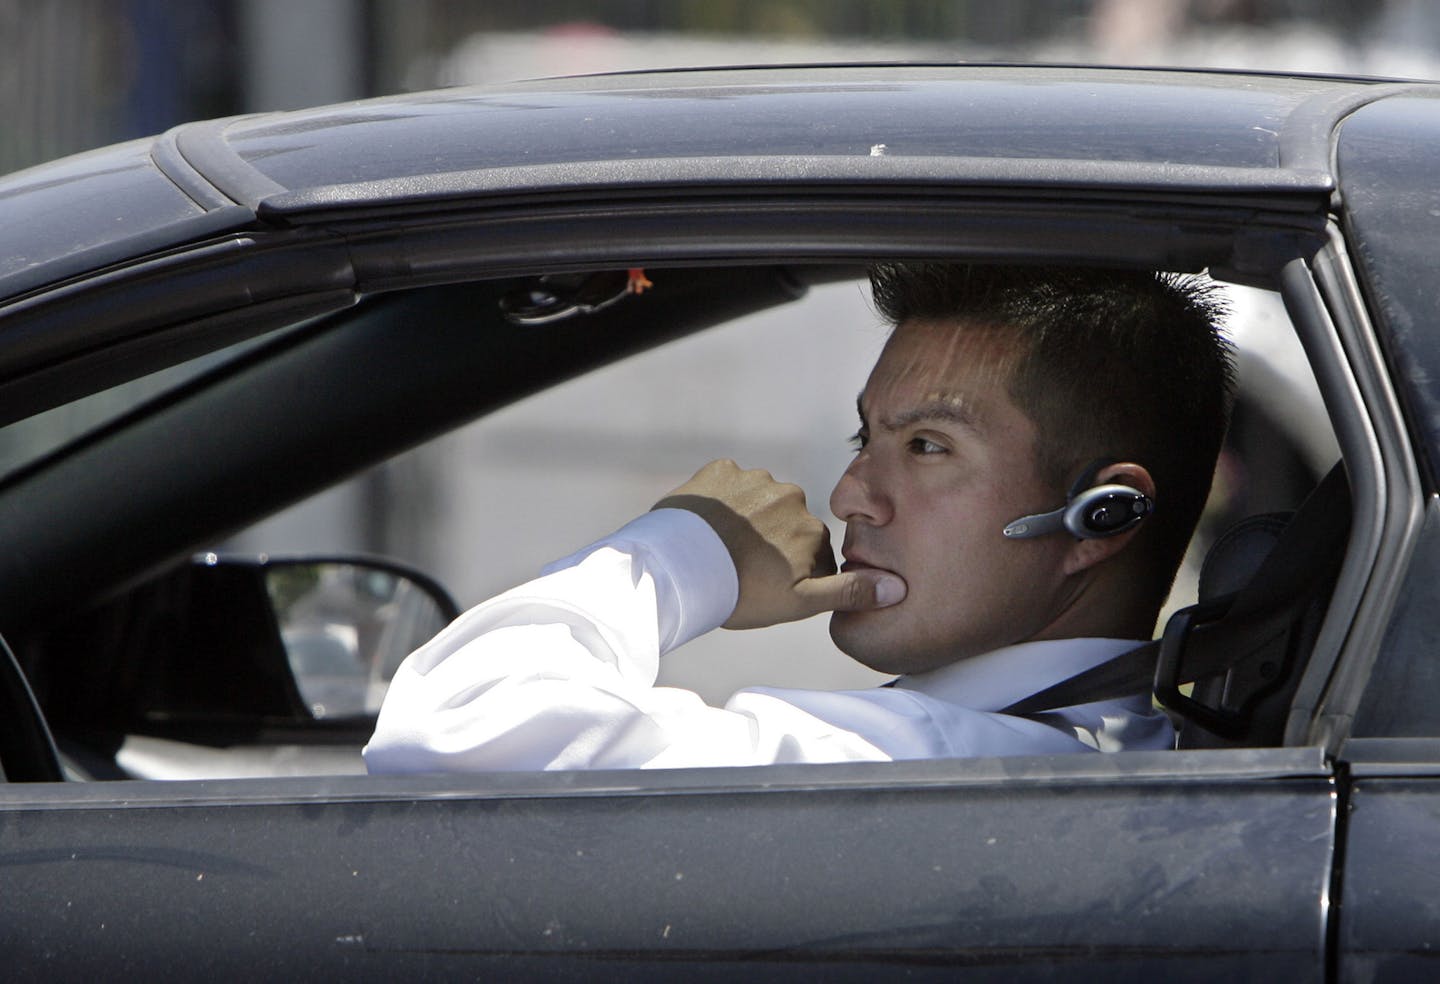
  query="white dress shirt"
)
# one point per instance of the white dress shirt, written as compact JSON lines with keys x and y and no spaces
{"x":559,"y":673}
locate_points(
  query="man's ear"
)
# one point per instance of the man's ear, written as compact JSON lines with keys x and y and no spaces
{"x":1085,"y":554}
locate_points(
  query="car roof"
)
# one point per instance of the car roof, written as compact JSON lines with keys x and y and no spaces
{"x":995,"y":127}
{"x":775,"y":125}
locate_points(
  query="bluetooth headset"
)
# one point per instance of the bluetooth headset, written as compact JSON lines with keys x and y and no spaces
{"x":1090,"y":511}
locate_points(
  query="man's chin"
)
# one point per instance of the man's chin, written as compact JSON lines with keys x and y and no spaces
{"x":870,"y":639}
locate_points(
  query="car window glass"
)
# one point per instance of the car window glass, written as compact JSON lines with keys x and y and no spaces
{"x":484,"y":508}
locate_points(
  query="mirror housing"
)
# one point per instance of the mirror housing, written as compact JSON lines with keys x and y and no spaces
{"x":345,"y":623}
{"x":229,"y":649}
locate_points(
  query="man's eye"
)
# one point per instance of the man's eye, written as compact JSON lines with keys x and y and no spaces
{"x":919,"y":445}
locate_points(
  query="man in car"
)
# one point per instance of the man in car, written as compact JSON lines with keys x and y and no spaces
{"x":1003,"y":396}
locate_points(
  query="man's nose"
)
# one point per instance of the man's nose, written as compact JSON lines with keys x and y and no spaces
{"x":857,"y":497}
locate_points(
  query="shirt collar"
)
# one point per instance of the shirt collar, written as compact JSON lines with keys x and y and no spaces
{"x":1002,"y":676}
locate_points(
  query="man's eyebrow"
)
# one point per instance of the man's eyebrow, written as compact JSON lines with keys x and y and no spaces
{"x":953,"y":411}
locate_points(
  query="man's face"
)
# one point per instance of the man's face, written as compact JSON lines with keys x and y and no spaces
{"x":946,"y":460}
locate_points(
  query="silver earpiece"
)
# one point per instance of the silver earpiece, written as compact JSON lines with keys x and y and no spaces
{"x":1102,"y":510}
{"x":1090,"y":511}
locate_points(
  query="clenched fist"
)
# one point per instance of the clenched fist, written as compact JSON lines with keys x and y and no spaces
{"x":781,"y":552}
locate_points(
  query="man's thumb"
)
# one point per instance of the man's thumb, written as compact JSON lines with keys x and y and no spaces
{"x":853,"y":591}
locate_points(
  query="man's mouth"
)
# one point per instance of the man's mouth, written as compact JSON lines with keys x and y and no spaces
{"x":859,"y":562}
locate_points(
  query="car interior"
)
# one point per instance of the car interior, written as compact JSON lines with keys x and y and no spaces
{"x":125,"y":627}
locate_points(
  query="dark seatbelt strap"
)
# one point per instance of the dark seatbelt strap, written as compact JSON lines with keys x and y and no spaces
{"x":1305,"y":555}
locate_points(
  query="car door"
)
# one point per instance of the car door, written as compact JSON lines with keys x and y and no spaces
{"x":1192,"y":864}
{"x":1199,"y":863}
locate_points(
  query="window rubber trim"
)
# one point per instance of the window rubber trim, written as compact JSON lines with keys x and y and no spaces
{"x":1326,"y":306}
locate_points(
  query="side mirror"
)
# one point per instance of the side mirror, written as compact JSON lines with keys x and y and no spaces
{"x":346,"y":624}
{"x":227,"y":650}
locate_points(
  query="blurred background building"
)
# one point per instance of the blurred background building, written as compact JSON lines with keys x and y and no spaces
{"x":485,"y":507}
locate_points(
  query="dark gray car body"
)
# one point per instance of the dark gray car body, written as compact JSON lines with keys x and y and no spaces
{"x":1312,"y":860}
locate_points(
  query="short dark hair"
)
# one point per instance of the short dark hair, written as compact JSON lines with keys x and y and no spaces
{"x":1125,"y":364}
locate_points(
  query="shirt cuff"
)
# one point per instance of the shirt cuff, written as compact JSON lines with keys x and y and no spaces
{"x":696,"y":586}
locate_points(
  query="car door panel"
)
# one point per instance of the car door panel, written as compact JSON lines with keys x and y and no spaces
{"x":1017,"y":869}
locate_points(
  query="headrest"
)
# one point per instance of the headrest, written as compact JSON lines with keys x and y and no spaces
{"x":1233,"y":559}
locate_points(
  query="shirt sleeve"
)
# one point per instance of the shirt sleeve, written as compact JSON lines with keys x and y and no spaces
{"x":559,"y":672}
